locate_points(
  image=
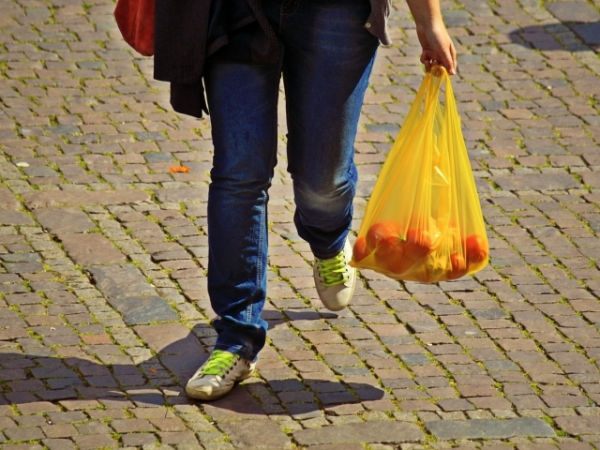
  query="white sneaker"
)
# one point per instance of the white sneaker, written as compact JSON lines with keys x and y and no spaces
{"x":335,"y":279}
{"x":218,"y":375}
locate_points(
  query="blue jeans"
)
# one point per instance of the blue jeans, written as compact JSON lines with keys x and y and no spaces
{"x":326,"y":58}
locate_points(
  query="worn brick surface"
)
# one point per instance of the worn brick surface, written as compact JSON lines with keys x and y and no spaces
{"x":64,"y":220}
{"x":371,"y":432}
{"x":490,"y":429}
{"x":103,"y":253}
{"x":90,"y":249}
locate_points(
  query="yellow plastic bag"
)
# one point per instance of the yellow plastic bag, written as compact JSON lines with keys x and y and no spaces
{"x":424,"y":221}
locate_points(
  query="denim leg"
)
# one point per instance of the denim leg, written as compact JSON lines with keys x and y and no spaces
{"x":242,"y":99}
{"x":328,"y":59}
{"x":327,"y":62}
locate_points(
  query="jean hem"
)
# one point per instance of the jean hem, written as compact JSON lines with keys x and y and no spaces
{"x":238,"y":350}
{"x":334,"y":254}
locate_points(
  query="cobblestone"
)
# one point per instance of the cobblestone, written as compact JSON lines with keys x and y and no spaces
{"x":103,"y":254}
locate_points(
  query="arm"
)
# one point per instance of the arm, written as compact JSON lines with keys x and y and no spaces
{"x":433,"y":36}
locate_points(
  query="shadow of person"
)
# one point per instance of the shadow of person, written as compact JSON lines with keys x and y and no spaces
{"x":557,"y":37}
{"x":301,"y":398}
{"x":159,"y":379}
{"x":101,"y":371}
{"x":276,"y":318}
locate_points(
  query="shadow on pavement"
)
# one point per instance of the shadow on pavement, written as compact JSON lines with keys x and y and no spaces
{"x":556,"y":36}
{"x":36,"y":376}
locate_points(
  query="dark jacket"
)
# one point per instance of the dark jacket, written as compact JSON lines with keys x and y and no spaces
{"x":187,"y":32}
{"x":180,"y":31}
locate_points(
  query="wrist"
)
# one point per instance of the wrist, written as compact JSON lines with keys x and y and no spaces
{"x":430,"y":24}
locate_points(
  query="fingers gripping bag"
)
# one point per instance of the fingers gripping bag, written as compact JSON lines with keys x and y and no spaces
{"x":423,"y":221}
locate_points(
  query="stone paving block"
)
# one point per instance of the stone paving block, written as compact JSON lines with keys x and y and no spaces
{"x":169,"y":339}
{"x":239,"y":404}
{"x":59,"y":444}
{"x":94,"y":441}
{"x":573,"y":12}
{"x":178,"y":349}
{"x":368,"y":432}
{"x":120,"y":281}
{"x":22,"y":447}
{"x":178,"y":438}
{"x":168,"y":424}
{"x":8,"y":334}
{"x":35,"y":200}
{"x":138,"y":439}
{"x":149,"y":398}
{"x":8,"y":201}
{"x":131,"y":425}
{"x":15,"y":218}
{"x":22,"y":267}
{"x":142,"y":310}
{"x":37,"y":407}
{"x":578,"y":425}
{"x":193,"y":195}
{"x":90,"y":249}
{"x":590,"y":34}
{"x":340,"y":447}
{"x":489,"y":429}
{"x":24,"y":434}
{"x":64,"y":220}
{"x":259,"y":434}
{"x":59,"y":431}
{"x":559,"y":181}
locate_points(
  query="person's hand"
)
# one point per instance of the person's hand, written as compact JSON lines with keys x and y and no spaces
{"x":437,"y":46}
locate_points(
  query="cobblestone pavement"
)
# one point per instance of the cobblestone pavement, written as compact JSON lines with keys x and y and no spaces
{"x":104,"y":312}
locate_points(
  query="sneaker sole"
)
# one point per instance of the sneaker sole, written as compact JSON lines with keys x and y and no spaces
{"x":205,"y":396}
{"x":198,"y":394}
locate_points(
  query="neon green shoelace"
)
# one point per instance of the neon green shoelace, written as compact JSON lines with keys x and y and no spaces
{"x":333,"y":271}
{"x":219,"y":363}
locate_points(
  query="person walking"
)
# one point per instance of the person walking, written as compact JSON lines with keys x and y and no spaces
{"x":227,"y":57}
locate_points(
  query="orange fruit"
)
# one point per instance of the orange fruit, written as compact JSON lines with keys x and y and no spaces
{"x":476,"y":249}
{"x":389,"y":253}
{"x":361,"y":250}
{"x":385,"y":239}
{"x":380,"y":231}
{"x":398,"y":263}
{"x":419,"y":243}
{"x":459,"y":266}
